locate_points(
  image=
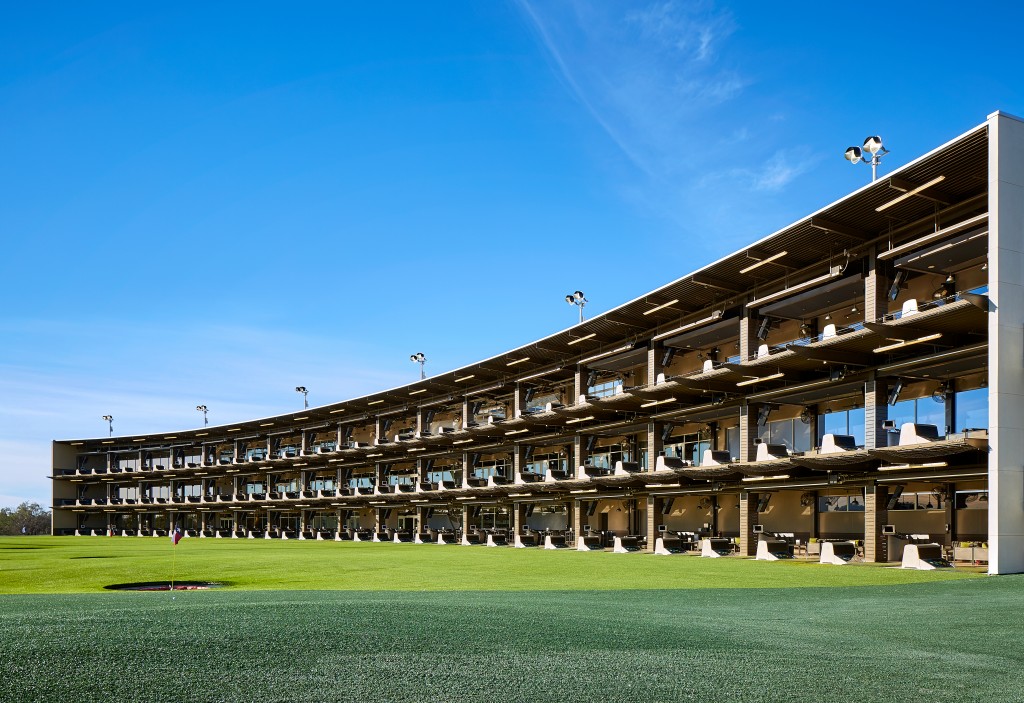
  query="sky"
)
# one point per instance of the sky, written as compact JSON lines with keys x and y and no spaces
{"x":212,"y":203}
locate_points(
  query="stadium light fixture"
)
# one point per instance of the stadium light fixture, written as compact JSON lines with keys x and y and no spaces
{"x":204,"y":410}
{"x":871,"y":153}
{"x":421,"y":359}
{"x":578,"y":299}
{"x":305,"y":395}
{"x":110,"y":425}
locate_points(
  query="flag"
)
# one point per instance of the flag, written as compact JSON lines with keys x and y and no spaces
{"x":176,"y":536}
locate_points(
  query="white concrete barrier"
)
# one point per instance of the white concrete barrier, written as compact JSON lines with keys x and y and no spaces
{"x":917,"y":556}
{"x":707,"y":551}
{"x":762,"y":552}
{"x":838,"y":553}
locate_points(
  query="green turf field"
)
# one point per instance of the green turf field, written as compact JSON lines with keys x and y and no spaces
{"x":326,"y":621}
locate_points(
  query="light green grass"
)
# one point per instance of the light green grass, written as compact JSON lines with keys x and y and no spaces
{"x":84,"y":564}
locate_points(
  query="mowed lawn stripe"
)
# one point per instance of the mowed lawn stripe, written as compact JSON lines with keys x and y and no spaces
{"x":87,"y":564}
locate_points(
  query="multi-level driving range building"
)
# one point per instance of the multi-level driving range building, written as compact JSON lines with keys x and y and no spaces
{"x":857,"y":375}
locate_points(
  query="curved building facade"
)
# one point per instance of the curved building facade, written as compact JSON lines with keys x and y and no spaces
{"x":854,"y":380}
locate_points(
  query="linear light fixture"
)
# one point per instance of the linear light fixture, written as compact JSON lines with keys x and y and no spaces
{"x":201,"y":434}
{"x":540,"y":373}
{"x":716,"y":315}
{"x":583,"y":338}
{"x":512,"y":432}
{"x":235,"y":429}
{"x":627,"y":347}
{"x":762,"y":262}
{"x":301,"y":418}
{"x":786,"y":292}
{"x":417,"y":449}
{"x":658,"y":402}
{"x":926,"y":477}
{"x":266,"y":424}
{"x":910,"y":193}
{"x":579,"y":419}
{"x":465,"y":378}
{"x":339,"y":410}
{"x":375,"y":402}
{"x":462,"y":441}
{"x":908,"y":342}
{"x":518,"y":361}
{"x":927,"y":465}
{"x":172,"y":436}
{"x":751,"y":381}
{"x":780,"y":477}
{"x":417,"y":392}
{"x":662,"y":306}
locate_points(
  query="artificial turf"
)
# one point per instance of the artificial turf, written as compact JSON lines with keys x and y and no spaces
{"x":487,"y":627}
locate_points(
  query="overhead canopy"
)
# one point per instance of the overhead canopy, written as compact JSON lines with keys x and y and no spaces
{"x":956,"y":254}
{"x":827,"y":298}
{"x":716,"y":333}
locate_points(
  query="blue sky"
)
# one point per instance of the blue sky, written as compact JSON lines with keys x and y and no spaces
{"x":216,"y":202}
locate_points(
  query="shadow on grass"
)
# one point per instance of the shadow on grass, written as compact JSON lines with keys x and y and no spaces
{"x":166,"y":586}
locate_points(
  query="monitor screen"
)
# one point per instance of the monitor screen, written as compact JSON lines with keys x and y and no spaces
{"x":586,"y":528}
{"x":758,"y":529}
{"x":888,"y":529}
{"x":661,"y":528}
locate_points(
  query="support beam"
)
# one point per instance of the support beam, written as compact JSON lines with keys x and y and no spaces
{"x":1005,"y":332}
{"x":748,"y":518}
{"x":875,"y":515}
{"x":833,"y":227}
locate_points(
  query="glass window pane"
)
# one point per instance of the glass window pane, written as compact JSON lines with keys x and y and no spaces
{"x":781,"y":432}
{"x":732,"y":441}
{"x":903,"y":411}
{"x":801,"y":436}
{"x":972,"y":410}
{"x":930,"y":412}
{"x":856,"y":425}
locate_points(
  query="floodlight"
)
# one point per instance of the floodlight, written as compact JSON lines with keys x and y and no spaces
{"x":871,"y":154}
{"x":578,"y":299}
{"x":873,"y":145}
{"x":421,"y":359}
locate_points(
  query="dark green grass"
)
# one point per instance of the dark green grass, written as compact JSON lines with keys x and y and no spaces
{"x":308,"y":621}
{"x":944,"y":641}
{"x":86,"y":564}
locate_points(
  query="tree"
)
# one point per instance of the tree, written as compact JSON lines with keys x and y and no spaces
{"x":32,"y":517}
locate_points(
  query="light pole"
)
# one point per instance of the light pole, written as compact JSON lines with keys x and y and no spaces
{"x":203,"y":409}
{"x":577,"y":299}
{"x":420,"y":359}
{"x":305,"y":395}
{"x":110,"y":425}
{"x":871,"y":153}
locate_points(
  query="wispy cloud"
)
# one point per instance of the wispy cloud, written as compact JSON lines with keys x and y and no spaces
{"x":151,"y":381}
{"x":666,"y":82}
